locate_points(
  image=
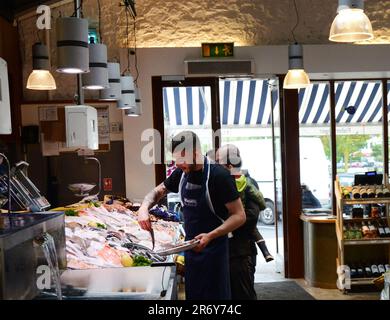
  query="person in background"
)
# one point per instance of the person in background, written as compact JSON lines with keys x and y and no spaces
{"x":309,"y":200}
{"x":211,"y":209}
{"x":242,"y":246}
{"x":257,"y":237}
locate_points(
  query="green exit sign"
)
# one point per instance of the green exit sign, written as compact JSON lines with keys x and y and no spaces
{"x":224,"y":49}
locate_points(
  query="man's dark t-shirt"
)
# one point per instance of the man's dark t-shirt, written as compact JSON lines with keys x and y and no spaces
{"x":222,"y":186}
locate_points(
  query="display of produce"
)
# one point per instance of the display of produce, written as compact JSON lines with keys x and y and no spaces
{"x":108,"y":235}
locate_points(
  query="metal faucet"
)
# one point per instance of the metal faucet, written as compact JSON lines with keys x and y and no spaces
{"x":9,"y":180}
{"x":100,"y":173}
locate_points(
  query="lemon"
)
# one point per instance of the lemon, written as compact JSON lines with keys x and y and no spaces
{"x":92,"y":224}
{"x":126,"y":260}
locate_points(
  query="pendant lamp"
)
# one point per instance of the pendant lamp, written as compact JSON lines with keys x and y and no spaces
{"x":296,"y":76}
{"x":127,"y":99}
{"x":40,"y":78}
{"x":72,"y":45}
{"x":97,"y":77}
{"x":351,"y":23}
{"x":113,"y":92}
{"x":135,"y":111}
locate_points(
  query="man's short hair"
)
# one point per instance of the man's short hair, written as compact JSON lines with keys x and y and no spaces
{"x":229,"y":154}
{"x":185,"y":140}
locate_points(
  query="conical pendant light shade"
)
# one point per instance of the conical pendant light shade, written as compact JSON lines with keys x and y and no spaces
{"x":127,"y":99}
{"x":351,"y":23}
{"x":296,"y":76}
{"x":137,"y":110}
{"x":72,"y":45}
{"x":97,"y":77}
{"x":40,"y":78}
{"x":113,"y":92}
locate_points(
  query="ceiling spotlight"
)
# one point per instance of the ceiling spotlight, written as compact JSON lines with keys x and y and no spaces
{"x":97,"y":77}
{"x":72,"y":45}
{"x":40,"y":78}
{"x":296,"y":77}
{"x":351,"y":23}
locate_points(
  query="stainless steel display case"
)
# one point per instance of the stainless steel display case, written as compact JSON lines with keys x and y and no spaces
{"x":20,"y":255}
{"x":134,"y":283}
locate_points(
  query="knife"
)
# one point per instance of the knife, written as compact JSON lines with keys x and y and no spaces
{"x":152,"y":234}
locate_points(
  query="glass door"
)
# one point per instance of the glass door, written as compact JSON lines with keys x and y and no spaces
{"x":246,"y":114}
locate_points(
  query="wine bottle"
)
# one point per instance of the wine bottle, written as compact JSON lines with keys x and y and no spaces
{"x":356,"y":193}
{"x":387,"y":267}
{"x":387,"y":229}
{"x":381,"y":230}
{"x":367,"y":271}
{"x":386,"y":192}
{"x":375,"y":270}
{"x":379,"y":192}
{"x":381,"y":269}
{"x":363,"y":192}
{"x":360,"y":272}
{"x":353,"y":271}
{"x":371,"y":192}
{"x":346,"y":193}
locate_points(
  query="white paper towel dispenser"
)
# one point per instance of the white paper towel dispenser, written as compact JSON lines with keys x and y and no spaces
{"x":81,"y":127}
{"x":5,"y":106}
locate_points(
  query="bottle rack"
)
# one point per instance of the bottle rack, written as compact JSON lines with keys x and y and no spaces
{"x":344,"y":244}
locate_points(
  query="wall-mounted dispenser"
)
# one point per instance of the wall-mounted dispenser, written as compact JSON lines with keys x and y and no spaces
{"x":5,"y":107}
{"x":81,"y":127}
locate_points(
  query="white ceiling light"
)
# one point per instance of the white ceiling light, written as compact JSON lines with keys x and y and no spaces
{"x":97,"y":78}
{"x":72,"y":45}
{"x":40,"y":78}
{"x":127,"y":99}
{"x":137,"y":110}
{"x":113,"y":92}
{"x":296,"y":76}
{"x":351,"y":23}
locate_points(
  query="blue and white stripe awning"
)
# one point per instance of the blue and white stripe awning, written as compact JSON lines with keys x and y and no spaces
{"x":365,"y":96}
{"x":247,"y":103}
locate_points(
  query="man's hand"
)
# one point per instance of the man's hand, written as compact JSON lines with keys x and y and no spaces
{"x":204,"y":238}
{"x":150,"y":200}
{"x":144,"y":219}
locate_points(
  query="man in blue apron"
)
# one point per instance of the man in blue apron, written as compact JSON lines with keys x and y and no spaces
{"x":212,"y":209}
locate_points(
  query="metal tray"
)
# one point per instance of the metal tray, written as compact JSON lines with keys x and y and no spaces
{"x":187,"y":245}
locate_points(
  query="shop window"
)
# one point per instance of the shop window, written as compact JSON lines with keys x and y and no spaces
{"x":315,"y":146}
{"x":359,"y":136}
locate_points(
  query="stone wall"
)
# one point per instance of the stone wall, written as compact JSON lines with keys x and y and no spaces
{"x":167,"y":23}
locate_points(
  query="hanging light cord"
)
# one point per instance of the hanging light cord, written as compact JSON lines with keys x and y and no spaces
{"x":100,"y":21}
{"x":135,"y":51}
{"x":79,"y":8}
{"x":297,"y":22}
{"x":127,"y":39}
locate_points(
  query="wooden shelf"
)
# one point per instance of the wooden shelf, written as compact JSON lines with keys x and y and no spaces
{"x":363,"y":219}
{"x":362,"y":281}
{"x":365,"y":201}
{"x":359,"y":242}
{"x":343,"y":244}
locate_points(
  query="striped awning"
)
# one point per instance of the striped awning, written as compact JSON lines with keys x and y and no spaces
{"x":364,"y":96}
{"x":247,"y":103}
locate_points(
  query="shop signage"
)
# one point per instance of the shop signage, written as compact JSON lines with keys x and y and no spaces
{"x":213,"y":50}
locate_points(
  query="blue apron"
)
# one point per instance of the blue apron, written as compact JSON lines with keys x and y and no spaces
{"x":206,"y":272}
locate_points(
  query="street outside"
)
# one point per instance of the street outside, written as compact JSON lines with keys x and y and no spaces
{"x":268,"y":272}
